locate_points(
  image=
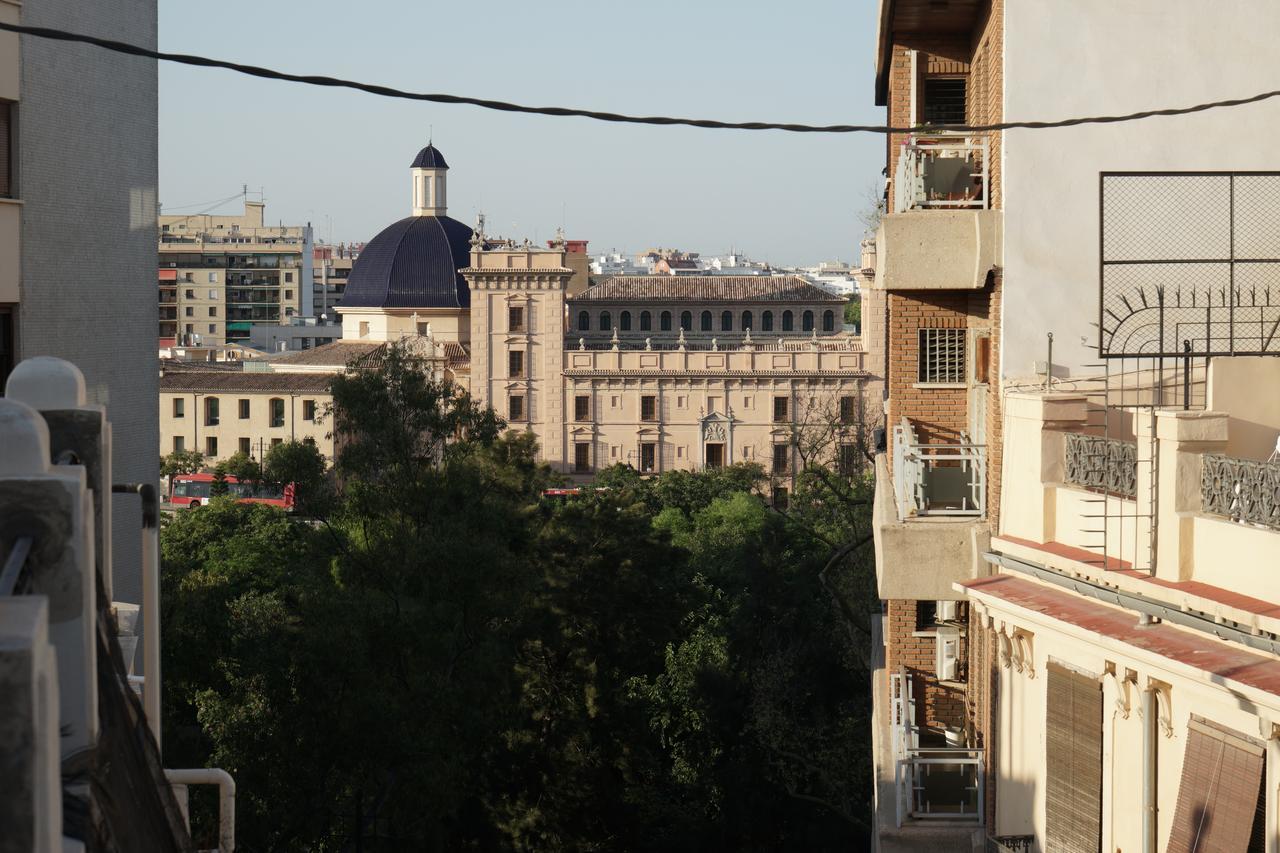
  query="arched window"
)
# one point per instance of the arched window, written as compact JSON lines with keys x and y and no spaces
{"x":726,"y":321}
{"x":664,"y":321}
{"x":746,"y":320}
{"x":706,"y":321}
{"x":606,"y":322}
{"x":624,"y":321}
{"x":828,"y":321}
{"x":788,"y":323}
{"x":807,"y":321}
{"x":646,"y":321}
{"x":686,"y":321}
{"x":766,"y":321}
{"x":584,"y":321}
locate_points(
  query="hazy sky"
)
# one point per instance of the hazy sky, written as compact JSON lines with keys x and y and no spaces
{"x":339,"y":159}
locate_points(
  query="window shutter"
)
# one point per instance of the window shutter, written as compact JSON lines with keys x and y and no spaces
{"x":1073,"y":756}
{"x":1222,"y":773}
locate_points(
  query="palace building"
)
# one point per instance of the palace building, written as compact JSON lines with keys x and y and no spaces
{"x":657,"y":372}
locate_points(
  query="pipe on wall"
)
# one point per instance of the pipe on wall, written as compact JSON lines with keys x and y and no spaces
{"x":1150,"y":745}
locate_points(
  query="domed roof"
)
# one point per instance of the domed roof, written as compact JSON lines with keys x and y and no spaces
{"x":412,"y":263}
{"x":429,"y":158}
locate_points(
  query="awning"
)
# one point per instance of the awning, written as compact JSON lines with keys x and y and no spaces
{"x":239,"y":327}
{"x":1219,"y":793}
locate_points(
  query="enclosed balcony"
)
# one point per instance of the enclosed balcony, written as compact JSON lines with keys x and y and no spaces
{"x":938,"y":478}
{"x":942,"y":171}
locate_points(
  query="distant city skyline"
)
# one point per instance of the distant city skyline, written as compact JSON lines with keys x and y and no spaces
{"x":338,"y":159}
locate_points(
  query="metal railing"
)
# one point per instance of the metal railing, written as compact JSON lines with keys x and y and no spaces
{"x":1102,"y":464}
{"x":1242,"y":490}
{"x":942,"y":170}
{"x":938,"y":479}
{"x":944,"y":783}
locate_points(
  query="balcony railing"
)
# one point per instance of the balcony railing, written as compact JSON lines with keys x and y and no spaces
{"x":938,"y":479}
{"x":1243,"y":490}
{"x":942,"y":783}
{"x":1102,"y":464}
{"x":1011,"y":843}
{"x":942,"y":170}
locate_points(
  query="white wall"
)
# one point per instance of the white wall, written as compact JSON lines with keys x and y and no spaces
{"x":1091,"y":57}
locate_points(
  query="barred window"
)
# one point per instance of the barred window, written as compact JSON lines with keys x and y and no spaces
{"x":942,"y":356}
{"x":648,"y":408}
{"x":944,"y":100}
{"x":515,"y":407}
{"x":582,"y":457}
{"x":515,"y":319}
{"x":781,"y":458}
{"x":581,"y":407}
{"x":848,"y":410}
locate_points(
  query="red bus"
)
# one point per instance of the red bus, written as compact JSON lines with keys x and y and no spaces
{"x":191,"y":490}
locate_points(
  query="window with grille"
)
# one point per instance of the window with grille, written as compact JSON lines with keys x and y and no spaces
{"x":848,"y":410}
{"x":515,"y":364}
{"x":515,"y":407}
{"x":648,"y":457}
{"x":648,"y":408}
{"x":245,"y":446}
{"x":850,"y":460}
{"x":308,"y":410}
{"x":582,"y":457}
{"x":277,"y":412}
{"x":6,"y":160}
{"x":781,"y":458}
{"x":515,"y":319}
{"x":944,"y":100}
{"x":581,"y":407}
{"x":780,"y":409}
{"x":942,"y":356}
{"x":244,"y":409}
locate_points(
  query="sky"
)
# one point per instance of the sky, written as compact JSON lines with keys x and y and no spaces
{"x":340,"y":159}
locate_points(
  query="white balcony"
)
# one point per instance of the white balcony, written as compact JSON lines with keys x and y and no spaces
{"x":937,"y":479}
{"x":944,"y":171}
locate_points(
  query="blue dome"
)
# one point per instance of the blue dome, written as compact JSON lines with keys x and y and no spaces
{"x":429,"y":158}
{"x":412,"y":263}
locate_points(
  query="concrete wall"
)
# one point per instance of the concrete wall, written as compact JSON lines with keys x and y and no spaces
{"x":87,"y":155}
{"x":1095,"y":57}
{"x":1248,"y":390}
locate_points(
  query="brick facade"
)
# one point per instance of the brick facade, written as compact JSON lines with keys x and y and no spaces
{"x":913,"y":648}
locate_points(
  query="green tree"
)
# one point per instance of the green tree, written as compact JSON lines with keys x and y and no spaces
{"x":181,"y":462}
{"x":303,"y":465}
{"x":241,"y":466}
{"x":853,"y":312}
{"x":219,"y":488}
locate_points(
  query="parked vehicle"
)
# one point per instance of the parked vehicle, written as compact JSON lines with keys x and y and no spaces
{"x":192,"y":490}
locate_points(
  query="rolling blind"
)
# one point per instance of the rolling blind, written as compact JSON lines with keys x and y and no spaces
{"x":1222,"y":773}
{"x":1073,"y":756}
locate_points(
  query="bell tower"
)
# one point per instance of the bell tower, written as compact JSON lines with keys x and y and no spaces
{"x":429,"y":171}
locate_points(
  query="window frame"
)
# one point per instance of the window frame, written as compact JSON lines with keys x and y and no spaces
{"x":649,"y":402}
{"x":941,"y":356}
{"x":515,"y":364}
{"x":515,"y":318}
{"x":275,"y":419}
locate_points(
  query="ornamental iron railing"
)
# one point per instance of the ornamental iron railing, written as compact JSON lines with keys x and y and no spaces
{"x":1102,"y":464}
{"x":1243,"y":490}
{"x":1011,"y":843}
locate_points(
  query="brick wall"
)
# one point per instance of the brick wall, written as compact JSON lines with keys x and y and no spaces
{"x":938,"y":414}
{"x":995,"y":400}
{"x":938,"y":55}
{"x":937,"y":705}
{"x":986,"y":86}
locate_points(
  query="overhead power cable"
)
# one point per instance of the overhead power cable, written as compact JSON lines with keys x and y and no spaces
{"x":505,"y":106}
{"x":205,"y":204}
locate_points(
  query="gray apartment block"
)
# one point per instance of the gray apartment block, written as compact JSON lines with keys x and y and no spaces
{"x":86,"y":166}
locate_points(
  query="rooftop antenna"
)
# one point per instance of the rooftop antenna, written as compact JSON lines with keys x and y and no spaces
{"x":431,"y":133}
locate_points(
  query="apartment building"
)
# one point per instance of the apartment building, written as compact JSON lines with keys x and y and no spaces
{"x":331,"y":266}
{"x":77,"y":223}
{"x":1075,"y":508}
{"x":222,"y":276}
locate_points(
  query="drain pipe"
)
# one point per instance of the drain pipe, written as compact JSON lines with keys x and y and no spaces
{"x":1149,"y":760}
{"x":150,"y":600}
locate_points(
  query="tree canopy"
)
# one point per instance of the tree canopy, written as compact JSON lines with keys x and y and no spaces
{"x":441,"y":658}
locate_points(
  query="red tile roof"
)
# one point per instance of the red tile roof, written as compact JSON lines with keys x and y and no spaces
{"x":1226,"y":661}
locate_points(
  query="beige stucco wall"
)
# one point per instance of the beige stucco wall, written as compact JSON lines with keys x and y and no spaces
{"x":377,"y":324}
{"x":1248,"y":389}
{"x":1022,"y":721}
{"x":231,"y":428}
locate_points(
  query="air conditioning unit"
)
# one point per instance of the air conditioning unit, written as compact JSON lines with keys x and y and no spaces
{"x":946,"y":611}
{"x":947,"y":658}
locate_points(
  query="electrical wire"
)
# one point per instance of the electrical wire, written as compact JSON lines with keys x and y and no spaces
{"x":205,"y":204}
{"x":505,"y":106}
